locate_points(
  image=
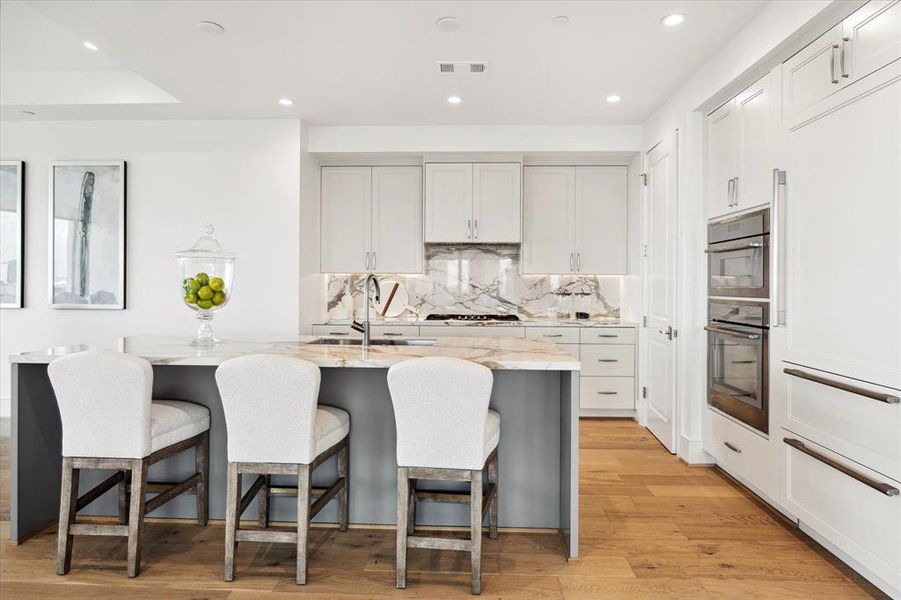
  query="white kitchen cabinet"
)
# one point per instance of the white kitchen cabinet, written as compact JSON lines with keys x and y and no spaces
{"x":471,"y":331}
{"x":371,"y":220}
{"x":757,"y":152}
{"x":467,"y":203}
{"x":448,"y":202}
{"x":575,"y":220}
{"x":605,"y":393}
{"x":871,"y":38}
{"x":602,"y":220}
{"x":811,"y":75}
{"x":722,"y":159}
{"x":549,"y":211}
{"x":496,"y":203}
{"x":746,"y":455}
{"x":396,"y":220}
{"x":345,"y":228}
{"x":841,"y":217}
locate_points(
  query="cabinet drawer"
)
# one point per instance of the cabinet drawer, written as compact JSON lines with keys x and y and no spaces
{"x":608,"y":361}
{"x":607,"y":335}
{"x":607,"y":392}
{"x":395,"y":331}
{"x":558,"y":335}
{"x":335,"y":331}
{"x":861,"y":521}
{"x":848,"y":421}
{"x":470,"y":331}
{"x":742,"y":453}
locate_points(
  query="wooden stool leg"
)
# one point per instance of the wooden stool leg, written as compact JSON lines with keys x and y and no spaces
{"x":202,"y":466}
{"x":68,"y":499}
{"x":475,"y":522}
{"x":263,"y":502}
{"x":122,"y":491}
{"x":403,"y":498}
{"x":232,"y":519}
{"x":303,"y":521}
{"x":411,"y":513}
{"x":136,"y":515}
{"x":344,"y":494}
{"x":492,"y":508}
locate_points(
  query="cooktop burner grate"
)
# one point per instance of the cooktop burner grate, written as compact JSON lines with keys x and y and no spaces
{"x":460,"y":317}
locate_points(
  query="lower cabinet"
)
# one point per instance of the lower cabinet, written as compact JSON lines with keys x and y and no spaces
{"x":852,"y":508}
{"x":471,"y":331}
{"x":746,"y":455}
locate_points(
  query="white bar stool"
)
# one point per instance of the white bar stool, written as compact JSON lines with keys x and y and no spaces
{"x":275,"y":427}
{"x":444,"y":432}
{"x":109,"y":421}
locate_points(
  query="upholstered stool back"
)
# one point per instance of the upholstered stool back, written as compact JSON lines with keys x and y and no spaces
{"x":440,"y":409}
{"x":104,"y":403}
{"x":270,"y":408}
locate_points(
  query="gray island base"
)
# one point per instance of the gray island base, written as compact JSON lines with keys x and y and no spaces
{"x":538,"y":451}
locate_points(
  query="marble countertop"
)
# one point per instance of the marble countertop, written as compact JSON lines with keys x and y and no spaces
{"x":494,"y":353}
{"x":599,"y":322}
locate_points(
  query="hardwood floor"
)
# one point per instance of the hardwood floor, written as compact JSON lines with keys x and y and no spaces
{"x":652,"y":527}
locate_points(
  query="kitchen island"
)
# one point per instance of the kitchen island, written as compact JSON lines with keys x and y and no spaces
{"x":536,"y":391}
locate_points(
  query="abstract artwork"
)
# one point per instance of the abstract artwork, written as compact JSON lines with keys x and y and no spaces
{"x":87,"y":235}
{"x":12,"y":233}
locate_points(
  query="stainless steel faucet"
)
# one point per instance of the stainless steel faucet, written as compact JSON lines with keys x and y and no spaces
{"x":364,"y":326}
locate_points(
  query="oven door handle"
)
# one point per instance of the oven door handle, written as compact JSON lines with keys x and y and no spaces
{"x":733,"y":332}
{"x":748,"y":246}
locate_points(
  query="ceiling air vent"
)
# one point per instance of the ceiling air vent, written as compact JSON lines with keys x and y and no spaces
{"x":462,"y":68}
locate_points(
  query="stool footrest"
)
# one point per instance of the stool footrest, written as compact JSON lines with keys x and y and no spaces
{"x":436,"y":543}
{"x":98,"y":529}
{"x":266,"y":536}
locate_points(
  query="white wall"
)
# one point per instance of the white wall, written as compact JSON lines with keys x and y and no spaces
{"x":312,"y":292}
{"x":242,"y":176}
{"x":780,"y":29}
{"x":476,"y":138}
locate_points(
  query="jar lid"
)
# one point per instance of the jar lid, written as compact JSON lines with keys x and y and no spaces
{"x":206,"y":246}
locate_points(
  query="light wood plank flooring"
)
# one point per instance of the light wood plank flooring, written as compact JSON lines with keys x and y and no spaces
{"x":652,"y":527}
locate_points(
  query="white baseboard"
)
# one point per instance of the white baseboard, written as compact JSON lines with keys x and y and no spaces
{"x":692,"y":452}
{"x":608,"y":412}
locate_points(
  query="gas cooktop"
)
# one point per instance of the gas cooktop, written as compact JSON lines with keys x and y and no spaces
{"x":459,"y":317}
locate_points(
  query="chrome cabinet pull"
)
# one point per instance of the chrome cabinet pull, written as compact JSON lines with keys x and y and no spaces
{"x":732,"y":447}
{"x":607,"y":393}
{"x":367,"y":261}
{"x":373,"y":260}
{"x":554,"y":335}
{"x":749,"y":246}
{"x":607,"y":335}
{"x":578,"y":261}
{"x":742,"y":334}
{"x":729,"y":191}
{"x":832,"y":63}
{"x":392,"y":334}
{"x":468,"y":229}
{"x":853,"y":389}
{"x":608,"y":360}
{"x":572,"y":262}
{"x":880,"y":487}
{"x":735,"y":192}
{"x":778,"y":308}
{"x":844,"y":71}
{"x":475,"y":229}
{"x":339,"y":333}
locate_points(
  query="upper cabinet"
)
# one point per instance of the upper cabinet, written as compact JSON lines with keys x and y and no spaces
{"x":371,"y":219}
{"x":473,"y":203}
{"x":863,"y":43}
{"x":575,"y":220}
{"x":740,"y":155}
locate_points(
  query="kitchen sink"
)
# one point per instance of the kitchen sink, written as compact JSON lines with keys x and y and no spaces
{"x":374,"y":342}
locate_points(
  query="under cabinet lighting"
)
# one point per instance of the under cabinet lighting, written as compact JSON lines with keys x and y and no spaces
{"x":91,"y":46}
{"x":673,"y":20}
{"x":286,"y":101}
{"x":613,"y":98}
{"x":454,"y":100}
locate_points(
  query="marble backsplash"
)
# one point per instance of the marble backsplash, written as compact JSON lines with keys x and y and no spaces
{"x":478,"y":280}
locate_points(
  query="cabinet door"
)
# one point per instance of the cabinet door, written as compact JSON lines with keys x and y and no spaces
{"x":602,"y":220}
{"x":496,"y":203}
{"x":548,"y":229}
{"x":396,"y":220}
{"x":722,"y":159}
{"x":757,"y":124}
{"x":872,"y":38}
{"x":345,"y":232}
{"x":448,"y":202}
{"x":842,"y":217}
{"x":811,"y":75}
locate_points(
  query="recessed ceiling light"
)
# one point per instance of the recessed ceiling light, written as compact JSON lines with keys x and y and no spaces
{"x":672,"y":20}
{"x":613,"y":98}
{"x":448,"y":23}
{"x":29,"y":113}
{"x":560,"y":20}
{"x":91,"y":46}
{"x":286,"y":101}
{"x":209,"y":28}
{"x":454,"y":99}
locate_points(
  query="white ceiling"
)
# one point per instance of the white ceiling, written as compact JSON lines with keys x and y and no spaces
{"x":357,"y":63}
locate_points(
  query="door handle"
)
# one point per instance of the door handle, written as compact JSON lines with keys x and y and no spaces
{"x":852,"y":389}
{"x":733,"y":332}
{"x":735,"y":192}
{"x":729,"y":191}
{"x":668,"y":332}
{"x":732,"y":447}
{"x":748,"y":246}
{"x":778,"y":307}
{"x":373,"y":260}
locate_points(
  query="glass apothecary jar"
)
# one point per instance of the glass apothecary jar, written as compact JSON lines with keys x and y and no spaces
{"x":206,"y":275}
